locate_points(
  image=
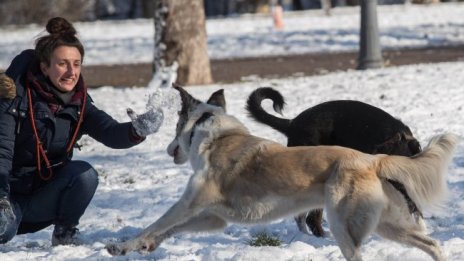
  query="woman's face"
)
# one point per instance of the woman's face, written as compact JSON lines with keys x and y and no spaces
{"x":64,"y":69}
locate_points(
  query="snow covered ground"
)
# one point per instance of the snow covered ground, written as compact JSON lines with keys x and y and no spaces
{"x":138,"y":185}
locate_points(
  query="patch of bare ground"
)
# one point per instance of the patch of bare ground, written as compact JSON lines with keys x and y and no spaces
{"x":238,"y":69}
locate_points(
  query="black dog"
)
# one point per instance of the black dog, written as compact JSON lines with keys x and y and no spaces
{"x":344,"y":123}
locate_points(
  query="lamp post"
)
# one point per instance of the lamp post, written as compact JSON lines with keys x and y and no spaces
{"x":370,"y":55}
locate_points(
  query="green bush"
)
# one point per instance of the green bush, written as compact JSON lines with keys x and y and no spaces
{"x":264,"y":239}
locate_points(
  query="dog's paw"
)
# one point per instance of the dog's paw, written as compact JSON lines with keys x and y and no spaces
{"x":116,"y":249}
{"x":121,"y":249}
{"x":148,"y":246}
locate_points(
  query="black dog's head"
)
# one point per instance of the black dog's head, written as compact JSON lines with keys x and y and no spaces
{"x":400,"y":144}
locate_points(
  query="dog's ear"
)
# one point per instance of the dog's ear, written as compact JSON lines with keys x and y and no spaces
{"x":217,"y":99}
{"x":187,"y":100}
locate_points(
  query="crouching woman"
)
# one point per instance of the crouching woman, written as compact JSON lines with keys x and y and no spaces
{"x":44,"y":110}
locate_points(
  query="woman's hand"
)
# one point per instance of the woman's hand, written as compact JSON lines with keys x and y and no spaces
{"x":146,"y":123}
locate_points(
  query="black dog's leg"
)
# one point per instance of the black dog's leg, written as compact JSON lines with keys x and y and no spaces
{"x":314,"y":221}
{"x":413,"y":209}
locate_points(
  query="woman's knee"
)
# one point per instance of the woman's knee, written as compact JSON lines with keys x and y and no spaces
{"x":85,"y":175}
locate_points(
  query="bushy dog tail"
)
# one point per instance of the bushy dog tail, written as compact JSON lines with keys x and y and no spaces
{"x":423,"y":175}
{"x":259,"y":114}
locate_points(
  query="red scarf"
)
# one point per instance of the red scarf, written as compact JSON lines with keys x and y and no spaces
{"x":41,"y":86}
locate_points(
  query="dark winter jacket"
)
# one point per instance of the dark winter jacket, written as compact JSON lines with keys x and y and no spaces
{"x":18,"y":155}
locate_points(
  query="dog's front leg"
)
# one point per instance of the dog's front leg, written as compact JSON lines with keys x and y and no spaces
{"x":204,"y":222}
{"x":148,"y":239}
{"x":189,"y":205}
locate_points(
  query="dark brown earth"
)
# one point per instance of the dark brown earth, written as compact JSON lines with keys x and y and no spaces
{"x":235,"y":70}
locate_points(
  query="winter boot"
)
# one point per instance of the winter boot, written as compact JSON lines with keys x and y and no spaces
{"x":63,"y":235}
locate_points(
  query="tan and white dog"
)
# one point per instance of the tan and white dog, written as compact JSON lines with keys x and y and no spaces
{"x":242,"y":178}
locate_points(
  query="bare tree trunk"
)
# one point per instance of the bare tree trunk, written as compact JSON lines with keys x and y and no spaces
{"x":326,"y":6}
{"x":182,"y":40}
{"x":163,"y":75}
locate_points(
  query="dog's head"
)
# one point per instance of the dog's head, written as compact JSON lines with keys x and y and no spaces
{"x":193,"y":111}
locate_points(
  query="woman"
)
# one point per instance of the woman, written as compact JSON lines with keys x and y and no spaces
{"x":40,"y":123}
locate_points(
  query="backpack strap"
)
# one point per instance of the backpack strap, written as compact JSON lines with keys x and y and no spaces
{"x":40,"y":151}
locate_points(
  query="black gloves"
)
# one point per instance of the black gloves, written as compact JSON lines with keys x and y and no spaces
{"x":8,"y":221}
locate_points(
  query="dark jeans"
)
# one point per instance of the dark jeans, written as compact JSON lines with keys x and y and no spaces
{"x":62,"y":201}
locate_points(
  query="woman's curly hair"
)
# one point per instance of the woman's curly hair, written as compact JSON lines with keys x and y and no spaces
{"x":61,"y":32}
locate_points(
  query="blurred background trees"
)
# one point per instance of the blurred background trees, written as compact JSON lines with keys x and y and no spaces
{"x":180,"y":45}
{"x":18,"y":12}
{"x":38,"y":11}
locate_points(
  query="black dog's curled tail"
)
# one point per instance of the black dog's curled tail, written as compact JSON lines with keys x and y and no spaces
{"x":259,"y":114}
